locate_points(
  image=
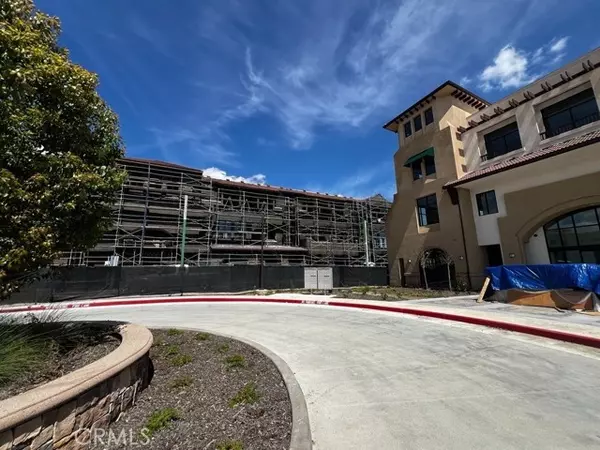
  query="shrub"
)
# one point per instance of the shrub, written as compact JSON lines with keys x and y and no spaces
{"x":174,"y":332}
{"x":181,"y":360}
{"x":182,"y":382}
{"x":235,"y":361}
{"x":202,"y":336}
{"x":230,"y":445}
{"x":248,"y":395}
{"x":224,"y":348}
{"x":160,"y":419}
{"x":172,"y":350}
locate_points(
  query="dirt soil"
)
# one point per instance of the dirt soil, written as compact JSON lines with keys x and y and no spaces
{"x":394,"y":294}
{"x":201,"y":392}
{"x":58,"y":364}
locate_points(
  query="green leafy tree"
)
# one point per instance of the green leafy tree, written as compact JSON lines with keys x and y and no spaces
{"x":59,"y":144}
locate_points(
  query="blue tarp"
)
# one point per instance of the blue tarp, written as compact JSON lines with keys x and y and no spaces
{"x":545,"y":277}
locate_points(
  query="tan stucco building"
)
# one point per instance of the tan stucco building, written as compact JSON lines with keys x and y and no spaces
{"x":514,"y":182}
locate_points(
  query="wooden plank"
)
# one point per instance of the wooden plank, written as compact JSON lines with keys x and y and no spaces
{"x":486,"y":283}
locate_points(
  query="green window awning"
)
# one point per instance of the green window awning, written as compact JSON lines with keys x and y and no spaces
{"x":418,"y":156}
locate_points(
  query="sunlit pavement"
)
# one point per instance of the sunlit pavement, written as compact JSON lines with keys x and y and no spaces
{"x":377,"y":380}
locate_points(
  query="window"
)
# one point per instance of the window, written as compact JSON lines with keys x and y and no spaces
{"x":429,"y":165}
{"x":503,"y":140}
{"x":418,"y":123}
{"x":417,"y":171}
{"x":407,"y":129}
{"x":574,"y":238}
{"x":486,"y":203}
{"x":573,"y":112}
{"x":380,"y":242}
{"x":428,"y":116}
{"x":427,"y":210}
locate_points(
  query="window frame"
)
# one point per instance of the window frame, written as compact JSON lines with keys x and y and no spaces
{"x":483,"y":203}
{"x":428,"y":212}
{"x":555,"y":226}
{"x":425,"y":114}
{"x":425,"y":159}
{"x":568,"y":104}
{"x":418,"y":117}
{"x":491,"y":154}
{"x":417,"y":165}
{"x":407,"y":129}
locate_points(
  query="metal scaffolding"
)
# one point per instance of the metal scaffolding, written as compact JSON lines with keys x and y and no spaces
{"x":232,"y":223}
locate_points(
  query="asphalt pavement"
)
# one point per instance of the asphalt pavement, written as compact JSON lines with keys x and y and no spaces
{"x":375,"y":380}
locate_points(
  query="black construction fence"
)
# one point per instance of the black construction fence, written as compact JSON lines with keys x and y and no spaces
{"x":77,"y":283}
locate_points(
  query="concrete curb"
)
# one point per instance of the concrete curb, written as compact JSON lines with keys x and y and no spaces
{"x":301,"y":438}
{"x":580,"y":339}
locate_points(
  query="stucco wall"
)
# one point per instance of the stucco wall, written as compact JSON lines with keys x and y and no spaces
{"x":406,"y":239}
{"x":536,"y":248}
{"x":529,"y":209}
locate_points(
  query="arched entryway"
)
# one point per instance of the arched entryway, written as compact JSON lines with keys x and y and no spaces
{"x":437,"y":269}
{"x":574,"y":237}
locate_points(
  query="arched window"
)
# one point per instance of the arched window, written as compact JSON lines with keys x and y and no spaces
{"x":575,"y":237}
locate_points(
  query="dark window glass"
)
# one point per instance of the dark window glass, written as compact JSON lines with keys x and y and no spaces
{"x":486,"y":203}
{"x":570,"y":113}
{"x":417,"y":171}
{"x":428,"y":116}
{"x":503,"y":140}
{"x":418,"y":123}
{"x":575,"y":238}
{"x":427,"y":210}
{"x":589,"y":235}
{"x":407,"y":129}
{"x":429,"y":165}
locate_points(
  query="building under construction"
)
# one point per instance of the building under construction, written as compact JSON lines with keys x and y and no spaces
{"x":233,"y":223}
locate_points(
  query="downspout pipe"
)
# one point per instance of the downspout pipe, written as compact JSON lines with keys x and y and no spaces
{"x":455,"y":198}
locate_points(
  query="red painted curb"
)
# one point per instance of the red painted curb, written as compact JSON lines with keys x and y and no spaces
{"x":579,"y":339}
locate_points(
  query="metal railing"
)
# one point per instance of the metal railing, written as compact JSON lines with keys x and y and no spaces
{"x":551,"y":132}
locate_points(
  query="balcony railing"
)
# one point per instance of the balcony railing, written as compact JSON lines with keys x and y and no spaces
{"x":484,"y":157}
{"x":551,"y":132}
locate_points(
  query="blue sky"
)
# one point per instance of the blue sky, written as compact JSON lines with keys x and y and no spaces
{"x":295,"y":92}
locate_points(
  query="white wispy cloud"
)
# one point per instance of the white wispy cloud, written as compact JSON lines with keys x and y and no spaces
{"x":365,"y":182}
{"x":340,"y":68}
{"x":219,"y":174}
{"x":513,"y":67}
{"x":559,"y":45}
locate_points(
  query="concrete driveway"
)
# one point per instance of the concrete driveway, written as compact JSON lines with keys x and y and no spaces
{"x":388,"y":381}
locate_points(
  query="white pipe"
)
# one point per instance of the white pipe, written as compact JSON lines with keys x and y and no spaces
{"x":366,"y":244}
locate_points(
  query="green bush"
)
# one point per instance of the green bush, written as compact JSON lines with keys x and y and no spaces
{"x":234,"y":361}
{"x":174,"y":332}
{"x":248,"y":395}
{"x":230,"y":445}
{"x":27,"y":343}
{"x":182,"y":382}
{"x":181,"y":360}
{"x":172,"y":350}
{"x":202,"y":336}
{"x":224,"y":348}
{"x":160,"y":419}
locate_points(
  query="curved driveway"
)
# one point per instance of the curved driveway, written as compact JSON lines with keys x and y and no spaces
{"x":388,"y":381}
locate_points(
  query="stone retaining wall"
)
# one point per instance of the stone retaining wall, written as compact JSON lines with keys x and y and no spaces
{"x":68,"y":425}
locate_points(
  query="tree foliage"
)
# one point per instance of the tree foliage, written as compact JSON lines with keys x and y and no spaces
{"x":59,"y":143}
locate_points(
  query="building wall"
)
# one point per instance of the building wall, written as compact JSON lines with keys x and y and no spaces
{"x":564,"y":167}
{"x":406,"y":239}
{"x":529,"y":209}
{"x":528,"y":116}
{"x":536,"y":249}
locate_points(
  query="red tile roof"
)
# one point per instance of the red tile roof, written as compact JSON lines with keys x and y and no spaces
{"x":528,"y":158}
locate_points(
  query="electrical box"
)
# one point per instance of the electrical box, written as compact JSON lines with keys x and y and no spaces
{"x":318,"y":278}
{"x":310,"y":278}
